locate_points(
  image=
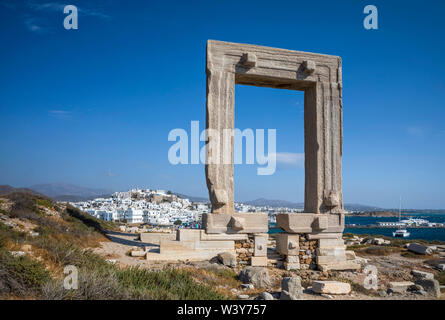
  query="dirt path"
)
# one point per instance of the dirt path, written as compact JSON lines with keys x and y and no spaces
{"x":118,"y":247}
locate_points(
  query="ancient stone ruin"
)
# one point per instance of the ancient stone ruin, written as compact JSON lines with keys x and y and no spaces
{"x":311,"y":238}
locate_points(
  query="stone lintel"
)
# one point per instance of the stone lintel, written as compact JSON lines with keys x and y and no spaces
{"x":271,"y":64}
{"x":235,"y":223}
{"x":311,"y":222}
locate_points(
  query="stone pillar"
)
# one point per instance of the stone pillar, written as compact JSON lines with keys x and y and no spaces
{"x":220,"y":121}
{"x":259,"y":258}
{"x":289,"y":246}
{"x":323,"y":148}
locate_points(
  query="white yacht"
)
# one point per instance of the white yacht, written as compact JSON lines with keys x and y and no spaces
{"x":401,"y":232}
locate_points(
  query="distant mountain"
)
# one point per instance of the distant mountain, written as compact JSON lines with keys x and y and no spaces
{"x":69,"y":192}
{"x":69,"y":198}
{"x":261,"y":202}
{"x":5,"y":189}
{"x":64,"y":190}
{"x":360,"y":207}
{"x":299,"y":205}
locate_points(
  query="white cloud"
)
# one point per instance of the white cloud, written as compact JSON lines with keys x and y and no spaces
{"x":33,"y":26}
{"x":36,"y":16}
{"x":51,"y":6}
{"x":55,"y":6}
{"x":290,"y":159}
{"x":285,"y":160}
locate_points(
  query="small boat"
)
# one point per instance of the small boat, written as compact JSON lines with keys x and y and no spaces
{"x":400,"y":232}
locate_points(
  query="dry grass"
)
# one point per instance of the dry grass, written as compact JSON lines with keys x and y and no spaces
{"x":216,"y":277}
{"x":378,"y":250}
{"x":412,"y":255}
{"x":21,"y":276}
{"x":63,"y":238}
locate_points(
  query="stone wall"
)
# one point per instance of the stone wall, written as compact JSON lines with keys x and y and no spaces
{"x":307,"y":253}
{"x":244,"y":250}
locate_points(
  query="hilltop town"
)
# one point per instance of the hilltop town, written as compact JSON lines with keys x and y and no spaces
{"x":160,"y":208}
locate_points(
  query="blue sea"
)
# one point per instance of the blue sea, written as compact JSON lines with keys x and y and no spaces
{"x":416,"y":233}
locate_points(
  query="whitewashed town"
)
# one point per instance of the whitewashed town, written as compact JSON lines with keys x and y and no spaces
{"x":159,"y":208}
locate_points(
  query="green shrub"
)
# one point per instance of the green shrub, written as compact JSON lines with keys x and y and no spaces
{"x":92,"y":285}
{"x":45,"y":203}
{"x":88,"y":220}
{"x":21,"y":276}
{"x":62,"y":242}
{"x":167,"y":284}
{"x":225,"y":273}
{"x":8,"y":234}
{"x":131,"y":283}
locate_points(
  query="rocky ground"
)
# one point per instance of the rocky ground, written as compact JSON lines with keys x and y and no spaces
{"x":394,"y":264}
{"x":45,"y":232}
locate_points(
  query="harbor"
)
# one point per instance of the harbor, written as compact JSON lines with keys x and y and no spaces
{"x":421,"y":226}
{"x":405,"y":223}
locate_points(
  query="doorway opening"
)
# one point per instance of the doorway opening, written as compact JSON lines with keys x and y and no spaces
{"x":282,"y":110}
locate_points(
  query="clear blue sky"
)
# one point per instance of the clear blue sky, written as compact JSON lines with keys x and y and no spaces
{"x":94,"y":106}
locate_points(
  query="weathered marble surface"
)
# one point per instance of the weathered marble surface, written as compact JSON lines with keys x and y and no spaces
{"x":318,"y":75}
{"x":235,"y":223}
{"x":309,"y":223}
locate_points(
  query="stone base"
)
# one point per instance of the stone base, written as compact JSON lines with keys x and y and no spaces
{"x":291,"y":266}
{"x":237,"y":223}
{"x":287,"y":244}
{"x":258,"y":261}
{"x":330,"y":252}
{"x":311,"y":222}
{"x":155,"y":237}
{"x":197,"y":245}
{"x":187,"y":255}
